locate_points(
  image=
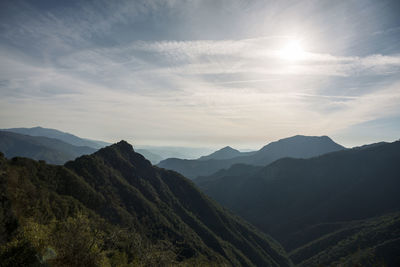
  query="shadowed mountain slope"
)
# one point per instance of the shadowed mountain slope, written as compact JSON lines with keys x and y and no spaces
{"x":370,"y":242}
{"x":300,"y":200}
{"x":124,"y":189}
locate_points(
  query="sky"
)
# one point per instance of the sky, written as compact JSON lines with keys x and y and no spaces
{"x":202,"y":73}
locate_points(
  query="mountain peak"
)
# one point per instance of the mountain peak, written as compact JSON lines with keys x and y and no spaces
{"x":223,"y":153}
{"x":123,"y":151}
{"x":119,"y":189}
{"x":122,"y":148}
{"x":298,"y":146}
{"x":303,"y":145}
{"x":303,"y":138}
{"x":124,"y":145}
{"x":227,"y":148}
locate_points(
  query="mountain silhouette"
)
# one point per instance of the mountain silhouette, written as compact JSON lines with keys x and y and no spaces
{"x":297,"y":146}
{"x":224,"y":153}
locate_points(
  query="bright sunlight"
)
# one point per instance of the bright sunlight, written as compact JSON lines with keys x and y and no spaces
{"x":292,"y":51}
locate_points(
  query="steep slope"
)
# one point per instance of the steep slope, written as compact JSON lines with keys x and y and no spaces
{"x":371,"y":242}
{"x":301,"y":200}
{"x":56,"y":134}
{"x":224,"y":153}
{"x":40,"y":148}
{"x":297,"y":146}
{"x":124,"y":189}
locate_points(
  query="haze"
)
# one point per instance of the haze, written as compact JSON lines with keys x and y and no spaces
{"x":202,"y":73}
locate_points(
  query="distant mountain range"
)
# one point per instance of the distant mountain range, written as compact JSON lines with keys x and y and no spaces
{"x":310,"y":205}
{"x":51,"y":150}
{"x":327,"y":205}
{"x":113,"y":206}
{"x":154,"y":158}
{"x":297,"y":146}
{"x":176,"y":151}
{"x":53,"y":146}
{"x":56,"y":134}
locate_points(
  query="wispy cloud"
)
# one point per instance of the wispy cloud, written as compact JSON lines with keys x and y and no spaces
{"x":262,"y":55}
{"x":178,"y":89}
{"x":89,"y":66}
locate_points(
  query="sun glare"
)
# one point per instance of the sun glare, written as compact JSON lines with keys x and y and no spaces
{"x":292,"y":51}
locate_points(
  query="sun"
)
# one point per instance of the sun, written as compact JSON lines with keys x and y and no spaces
{"x":292,"y":51}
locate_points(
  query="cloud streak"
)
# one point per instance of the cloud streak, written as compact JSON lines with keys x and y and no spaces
{"x":88,"y":71}
{"x":260,"y":55}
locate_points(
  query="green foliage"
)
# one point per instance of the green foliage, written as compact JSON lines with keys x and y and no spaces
{"x":75,"y":241}
{"x":114,"y":208}
{"x":360,"y":242}
{"x":78,"y":241}
{"x":18,"y":252}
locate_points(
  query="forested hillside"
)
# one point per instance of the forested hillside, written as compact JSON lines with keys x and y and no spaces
{"x":124,"y":211}
{"x":300,"y":201}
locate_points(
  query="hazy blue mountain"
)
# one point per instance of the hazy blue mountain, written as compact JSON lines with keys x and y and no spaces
{"x":142,"y":214}
{"x":224,"y":153}
{"x":299,"y":201}
{"x":154,"y":158}
{"x":297,"y":146}
{"x":99,"y":143}
{"x":176,"y":152}
{"x":56,"y":134}
{"x":40,"y":148}
{"x":73,"y":140}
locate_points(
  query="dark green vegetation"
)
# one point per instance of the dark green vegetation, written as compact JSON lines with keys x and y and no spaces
{"x":297,"y":146}
{"x":40,"y":148}
{"x":113,"y":208}
{"x":56,"y":134}
{"x":321,"y":209}
{"x":370,"y":242}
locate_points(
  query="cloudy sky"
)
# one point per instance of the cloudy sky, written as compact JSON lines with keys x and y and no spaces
{"x":202,"y":72}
